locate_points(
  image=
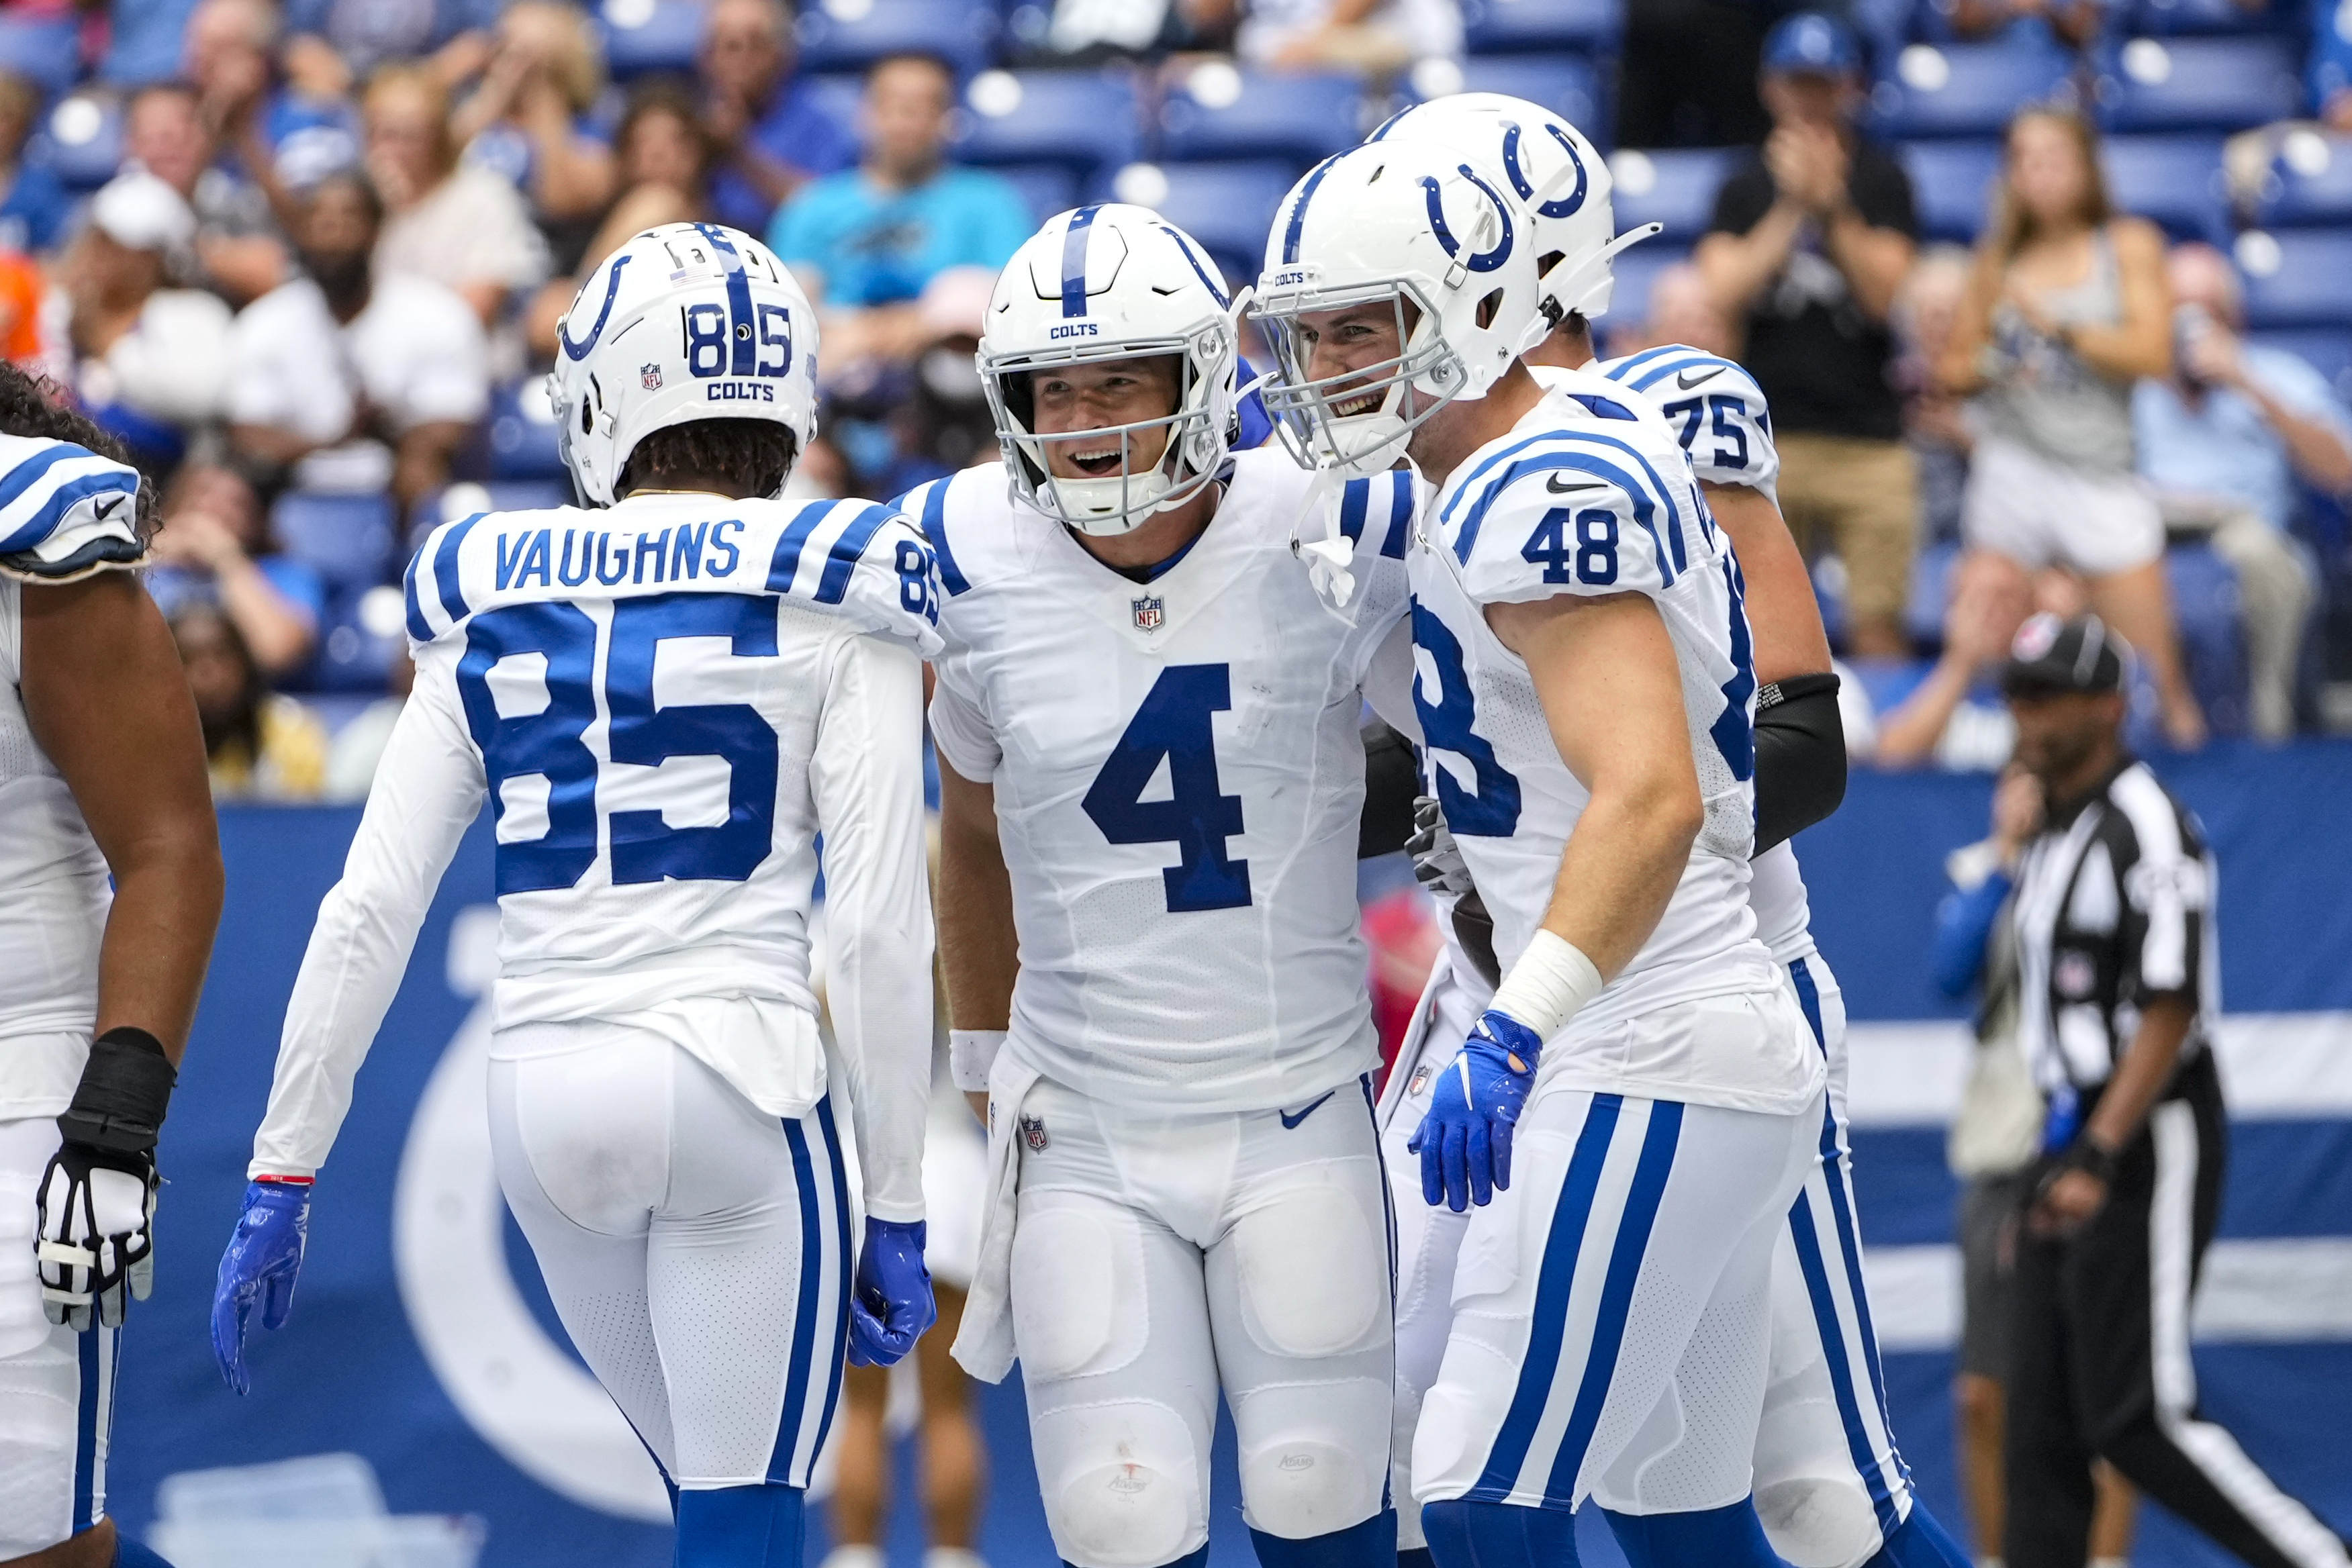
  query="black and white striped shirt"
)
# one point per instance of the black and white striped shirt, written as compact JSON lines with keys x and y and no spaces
{"x":2114,"y":905}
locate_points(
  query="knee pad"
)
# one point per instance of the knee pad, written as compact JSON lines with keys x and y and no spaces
{"x":1920,"y":1541}
{"x":129,"y":1554}
{"x":1818,"y":1521}
{"x":1729,"y":1537}
{"x":740,"y":1526}
{"x":1305,"y":1471}
{"x":1371,"y":1543}
{"x":1465,"y":1534}
{"x":1122,"y":1486}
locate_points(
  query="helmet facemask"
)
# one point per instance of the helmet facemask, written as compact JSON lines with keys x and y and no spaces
{"x":1358,"y":422}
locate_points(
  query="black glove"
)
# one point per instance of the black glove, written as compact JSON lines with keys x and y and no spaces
{"x":97,"y":1198}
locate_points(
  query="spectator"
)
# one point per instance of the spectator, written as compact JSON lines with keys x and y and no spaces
{"x":1370,"y":37}
{"x":333,"y":43}
{"x":260,"y":745}
{"x":150,"y":362}
{"x":1934,"y":423}
{"x":1689,"y":72}
{"x":2223,"y":440}
{"x":266,"y":128}
{"x":2066,"y":308}
{"x":867,"y":242}
{"x":34,"y":211}
{"x":352,"y":377}
{"x":26,"y":340}
{"x":236,"y":250}
{"x":462,"y":225}
{"x":1809,"y":243}
{"x":212,"y":546}
{"x":1681,"y":310}
{"x":771,"y":135}
{"x":2331,"y":64}
{"x":665,"y":164}
{"x":2073,"y":23}
{"x":1954,"y":716}
{"x":525,"y":122}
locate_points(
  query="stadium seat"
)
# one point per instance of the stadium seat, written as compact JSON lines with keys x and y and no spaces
{"x":360,"y":636}
{"x":1952,"y":185}
{"x":1228,"y":207}
{"x":2327,"y":349}
{"x":1046,"y":188}
{"x":1084,"y":120}
{"x":1520,"y":26}
{"x":2296,"y":278}
{"x":2173,"y":181}
{"x":1218,"y":112}
{"x":346,"y":540}
{"x":2206,"y":613}
{"x":1565,"y":84}
{"x":643,"y":38}
{"x":2310,"y":182}
{"x":46,"y":51}
{"x":1931,"y":593}
{"x":522,"y":433}
{"x":1675,"y":188}
{"x":2171,"y":18}
{"x":1966,"y":89}
{"x":850,"y":34}
{"x":81,"y":141}
{"x":2198,"y":84}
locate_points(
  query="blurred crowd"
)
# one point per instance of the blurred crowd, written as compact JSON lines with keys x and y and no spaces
{"x":308,"y":261}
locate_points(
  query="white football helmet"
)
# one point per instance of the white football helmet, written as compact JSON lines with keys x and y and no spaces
{"x":1100,"y":283}
{"x":686,"y":322}
{"x":1395,"y":223}
{"x":1558,"y":175}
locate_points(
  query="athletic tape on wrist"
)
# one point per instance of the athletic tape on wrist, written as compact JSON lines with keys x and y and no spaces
{"x":1551,"y":980}
{"x":971,"y":1052}
{"x":125,"y":1088}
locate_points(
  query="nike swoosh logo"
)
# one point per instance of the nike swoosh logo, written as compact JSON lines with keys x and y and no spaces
{"x":1552,"y":483}
{"x":1289,"y":1120}
{"x":1687,"y":381}
{"x":105,"y":509}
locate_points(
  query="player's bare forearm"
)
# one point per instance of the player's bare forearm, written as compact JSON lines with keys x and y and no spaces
{"x":2146,"y":1069}
{"x":1604,"y":670}
{"x":978,"y":950}
{"x":109,"y":704}
{"x":1783,"y":617}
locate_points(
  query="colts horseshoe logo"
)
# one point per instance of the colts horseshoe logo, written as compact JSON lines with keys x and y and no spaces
{"x":1526,"y":188}
{"x":1480,"y":261}
{"x":611,"y":287}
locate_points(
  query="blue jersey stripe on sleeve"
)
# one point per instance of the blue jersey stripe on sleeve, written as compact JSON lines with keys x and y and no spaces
{"x":1631,"y":362}
{"x":445,"y":580}
{"x":786,"y":563}
{"x":63,"y":500}
{"x":23,"y":478}
{"x":1355,"y":500}
{"x":843,"y":558}
{"x":1644,"y":509}
{"x":419,"y":629}
{"x":935,"y":529}
{"x":1400,"y":514}
{"x":1657,"y":482}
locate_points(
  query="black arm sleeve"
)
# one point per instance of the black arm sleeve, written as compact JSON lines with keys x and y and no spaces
{"x":1392,"y":779}
{"x":1800,"y":758}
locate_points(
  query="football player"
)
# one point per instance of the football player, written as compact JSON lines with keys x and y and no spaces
{"x":1634,"y":1108}
{"x":102,"y":778}
{"x":1150,"y":775}
{"x":665,"y":694}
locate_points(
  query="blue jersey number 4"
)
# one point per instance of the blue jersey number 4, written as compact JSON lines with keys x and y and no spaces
{"x":1198,"y":817}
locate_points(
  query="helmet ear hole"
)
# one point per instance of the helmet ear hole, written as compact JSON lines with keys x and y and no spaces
{"x":1489,"y":308}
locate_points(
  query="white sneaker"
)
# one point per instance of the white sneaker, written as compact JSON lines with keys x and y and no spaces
{"x":953,"y":1557}
{"x":854,"y":1557}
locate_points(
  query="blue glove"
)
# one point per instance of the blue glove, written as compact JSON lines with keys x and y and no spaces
{"x":1464,"y":1141}
{"x":892,"y":1304}
{"x":264,"y":1255}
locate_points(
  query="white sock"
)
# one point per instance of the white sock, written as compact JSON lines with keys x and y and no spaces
{"x":952,"y":1557}
{"x":2110,"y":1562}
{"x":854,"y":1557}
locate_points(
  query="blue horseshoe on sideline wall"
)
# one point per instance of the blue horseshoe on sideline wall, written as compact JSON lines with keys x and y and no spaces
{"x":611,"y":287}
{"x":1519,"y":182}
{"x":1482,"y":261}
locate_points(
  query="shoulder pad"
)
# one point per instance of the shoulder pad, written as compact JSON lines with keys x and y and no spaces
{"x":65,"y":511}
{"x":969,"y":520}
{"x":1719,"y":414}
{"x":1587,"y":511}
{"x":1377,"y":512}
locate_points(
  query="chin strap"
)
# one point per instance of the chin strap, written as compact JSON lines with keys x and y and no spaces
{"x":1329,"y":558}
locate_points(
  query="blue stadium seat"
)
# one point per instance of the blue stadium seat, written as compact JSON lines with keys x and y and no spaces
{"x":359,"y":637}
{"x":2205,"y":612}
{"x":2199,"y":84}
{"x":1046,"y":188}
{"x":2171,"y":18}
{"x":1217,"y":113}
{"x":1952,"y":185}
{"x":522,"y":433}
{"x":1084,"y":120}
{"x":643,"y":38}
{"x":850,"y":34}
{"x":45,"y":51}
{"x":346,"y":540}
{"x":1228,"y":207}
{"x":2310,"y":183}
{"x":1966,"y":90}
{"x":2296,"y":278}
{"x":81,"y":141}
{"x":1636,"y":268}
{"x":1675,"y":188}
{"x":1520,"y":26}
{"x":2173,"y":181}
{"x":1931,"y":593}
{"x":1566,"y":84}
{"x":839,"y":96}
{"x":2327,"y":349}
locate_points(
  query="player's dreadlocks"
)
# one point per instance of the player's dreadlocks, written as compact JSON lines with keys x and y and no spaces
{"x":34,"y":406}
{"x":749,"y":456}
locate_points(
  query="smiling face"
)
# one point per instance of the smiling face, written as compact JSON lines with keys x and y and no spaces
{"x":1333,"y":343}
{"x":1096,"y":397}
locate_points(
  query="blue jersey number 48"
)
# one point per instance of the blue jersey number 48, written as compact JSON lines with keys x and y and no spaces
{"x":1198,"y":817}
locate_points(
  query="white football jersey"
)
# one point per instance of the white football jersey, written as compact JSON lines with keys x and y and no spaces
{"x":1590,"y":494}
{"x":62,"y":509}
{"x":1179,"y":773}
{"x":1719,"y":416}
{"x":664,"y":702}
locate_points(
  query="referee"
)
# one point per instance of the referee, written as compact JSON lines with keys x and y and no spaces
{"x":2118,"y":980}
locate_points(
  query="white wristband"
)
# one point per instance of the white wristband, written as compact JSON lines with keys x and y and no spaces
{"x":1551,"y":980}
{"x":970,"y":1053}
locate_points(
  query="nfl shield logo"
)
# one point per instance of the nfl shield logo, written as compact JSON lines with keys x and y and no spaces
{"x":649,"y":377}
{"x":1032,"y":1133}
{"x":1149,"y":613}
